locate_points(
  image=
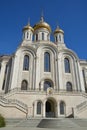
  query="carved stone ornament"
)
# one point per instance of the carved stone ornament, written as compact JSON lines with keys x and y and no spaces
{"x":49,"y":90}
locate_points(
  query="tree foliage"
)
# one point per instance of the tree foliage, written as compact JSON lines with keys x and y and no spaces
{"x":2,"y":121}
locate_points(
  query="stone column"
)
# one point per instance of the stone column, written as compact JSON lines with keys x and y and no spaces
{"x":58,"y":109}
{"x":42,"y":84}
{"x":44,"y":111}
{"x":35,"y":108}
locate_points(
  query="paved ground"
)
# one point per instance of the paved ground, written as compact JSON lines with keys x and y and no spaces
{"x":47,"y":124}
{"x":30,"y":128}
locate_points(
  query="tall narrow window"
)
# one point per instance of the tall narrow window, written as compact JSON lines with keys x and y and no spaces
{"x":6,"y":69}
{"x":39,"y":107}
{"x":26,"y":63}
{"x":47,"y":62}
{"x":59,"y":37}
{"x":24,"y":85}
{"x":3,"y":86}
{"x":27,"y":35}
{"x":24,"y":35}
{"x":0,"y":66}
{"x":62,"y":106}
{"x":67,"y":65}
{"x":36,"y":37}
{"x":68,"y":86}
{"x":47,"y":84}
{"x":30,"y":36}
{"x":56,"y":39}
{"x":42,"y":36}
{"x":84,"y":78}
{"x":48,"y":37}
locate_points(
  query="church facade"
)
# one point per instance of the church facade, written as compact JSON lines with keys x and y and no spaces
{"x":43,"y":78}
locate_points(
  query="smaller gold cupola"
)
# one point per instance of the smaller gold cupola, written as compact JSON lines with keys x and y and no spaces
{"x":28,"y":27}
{"x":59,"y":35}
{"x":27,"y":32}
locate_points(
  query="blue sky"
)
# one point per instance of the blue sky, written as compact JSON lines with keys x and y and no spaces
{"x":71,"y":15}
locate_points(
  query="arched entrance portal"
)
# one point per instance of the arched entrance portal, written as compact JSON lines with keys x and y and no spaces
{"x":50,"y":108}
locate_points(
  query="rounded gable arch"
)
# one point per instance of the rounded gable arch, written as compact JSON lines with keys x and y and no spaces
{"x":67,"y":53}
{"x":48,"y":47}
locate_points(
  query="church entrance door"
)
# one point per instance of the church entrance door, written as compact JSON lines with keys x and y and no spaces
{"x":50,"y":108}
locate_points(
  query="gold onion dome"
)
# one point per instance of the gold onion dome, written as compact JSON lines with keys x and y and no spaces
{"x":58,"y":30}
{"x":28,"y":27}
{"x":42,"y":24}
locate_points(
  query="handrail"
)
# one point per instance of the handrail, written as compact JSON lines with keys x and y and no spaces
{"x":81,"y":105}
{"x":84,"y":95}
{"x":14,"y":101}
{"x":18,"y":90}
{"x":29,"y":90}
{"x":70,"y":112}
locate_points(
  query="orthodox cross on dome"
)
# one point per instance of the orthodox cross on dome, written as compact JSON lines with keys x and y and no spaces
{"x":29,"y":21}
{"x":42,"y":17}
{"x":58,"y":25}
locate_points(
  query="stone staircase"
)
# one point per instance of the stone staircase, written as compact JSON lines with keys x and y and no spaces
{"x":70,"y":113}
{"x":15,"y":103}
{"x":54,"y":123}
{"x":81,"y":106}
{"x":29,"y":123}
{"x":57,"y":123}
{"x":23,"y":122}
{"x":13,"y":122}
{"x":80,"y":122}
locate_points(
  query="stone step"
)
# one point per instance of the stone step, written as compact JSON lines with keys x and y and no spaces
{"x":12,"y":121}
{"x":29,"y":123}
{"x":63,"y":123}
{"x":57,"y":123}
{"x":80,"y":122}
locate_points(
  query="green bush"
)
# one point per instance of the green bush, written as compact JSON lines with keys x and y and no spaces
{"x":2,"y":121}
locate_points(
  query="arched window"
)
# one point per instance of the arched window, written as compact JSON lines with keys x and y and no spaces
{"x":56,"y":39}
{"x":24,"y":35}
{"x":24,"y":85}
{"x":62,"y":108}
{"x":30,"y":36}
{"x":68,"y":86}
{"x":39,"y":107}
{"x":59,"y":37}
{"x":27,"y":35}
{"x":3,"y":86}
{"x":0,"y":66}
{"x":47,"y":84}
{"x":42,"y":36}
{"x":36,"y":37}
{"x":67,"y":65}
{"x":48,"y":37}
{"x":26,"y":63}
{"x":47,"y":62}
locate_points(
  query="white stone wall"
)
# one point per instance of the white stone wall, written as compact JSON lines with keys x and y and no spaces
{"x":2,"y":72}
{"x":39,"y":32}
{"x":36,"y":76}
{"x":11,"y":112}
{"x":31,"y":99}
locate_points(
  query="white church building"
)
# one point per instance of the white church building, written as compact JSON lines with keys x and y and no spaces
{"x":43,"y":78}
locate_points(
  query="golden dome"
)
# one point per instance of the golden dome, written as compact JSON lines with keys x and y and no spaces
{"x":58,"y":30}
{"x":42,"y":24}
{"x":28,"y":27}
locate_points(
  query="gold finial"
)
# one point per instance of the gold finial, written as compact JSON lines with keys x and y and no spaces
{"x":58,"y":29}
